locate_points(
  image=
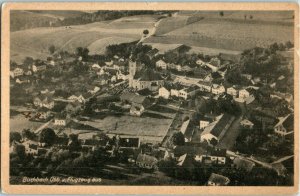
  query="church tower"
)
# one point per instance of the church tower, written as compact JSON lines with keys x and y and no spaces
{"x":132,"y":70}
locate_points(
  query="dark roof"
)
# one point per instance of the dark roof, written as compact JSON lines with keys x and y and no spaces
{"x":42,"y":109}
{"x":147,"y":74}
{"x":217,"y":130}
{"x":218,"y":152}
{"x":133,"y":98}
{"x":61,"y":116}
{"x":146,"y":159}
{"x":129,"y":142}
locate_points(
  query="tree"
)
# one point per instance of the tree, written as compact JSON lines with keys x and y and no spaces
{"x":221,"y":13}
{"x":27,"y":134}
{"x":15,"y":136}
{"x":28,"y":61}
{"x":47,"y":136}
{"x":289,"y":44}
{"x":178,"y":139}
{"x":51,"y":49}
{"x":251,"y":17}
{"x":146,"y":32}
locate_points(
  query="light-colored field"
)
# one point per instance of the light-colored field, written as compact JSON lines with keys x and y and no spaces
{"x":35,"y":42}
{"x":19,"y":122}
{"x":230,"y":32}
{"x":146,"y":128}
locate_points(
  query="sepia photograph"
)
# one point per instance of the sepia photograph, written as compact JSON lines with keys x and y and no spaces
{"x":125,"y":96}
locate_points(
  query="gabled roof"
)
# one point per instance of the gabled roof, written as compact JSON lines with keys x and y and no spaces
{"x":133,"y":98}
{"x":181,"y":160}
{"x":215,"y":128}
{"x":184,"y":126}
{"x":287,"y":122}
{"x":218,"y":152}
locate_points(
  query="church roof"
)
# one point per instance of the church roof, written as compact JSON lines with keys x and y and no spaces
{"x":147,"y":74}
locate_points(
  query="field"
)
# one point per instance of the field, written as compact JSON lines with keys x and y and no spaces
{"x":95,"y":36}
{"x":230,"y":32}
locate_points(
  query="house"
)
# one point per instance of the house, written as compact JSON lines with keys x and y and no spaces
{"x":100,"y":72}
{"x":61,"y":119}
{"x":217,"y":128}
{"x":247,"y":76}
{"x":217,"y":89}
{"x":96,"y":66}
{"x":164,"y":92}
{"x":186,"y":68}
{"x":41,"y":67}
{"x":215,"y":61}
{"x":187,"y":130}
{"x":175,"y":88}
{"x":244,"y":93}
{"x":122,"y":75}
{"x":202,"y":74}
{"x":233,"y":91}
{"x":185,"y":163}
{"x":213,"y":156}
{"x":16,"y":72}
{"x":43,"y":113}
{"x":178,"y":67}
{"x":94,"y":90}
{"x":138,"y":103}
{"x":44,"y":100}
{"x":243,"y":164}
{"x":31,"y":147}
{"x":129,"y":142}
{"x":285,"y":125}
{"x":77,"y":97}
{"x":146,"y":161}
{"x":161,"y":64}
{"x":205,"y":86}
{"x":188,"y":92}
{"x":147,"y":78}
{"x":247,"y":124}
{"x":217,"y":180}
{"x":204,"y":122}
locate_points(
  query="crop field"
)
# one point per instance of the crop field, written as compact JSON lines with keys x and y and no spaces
{"x":35,"y":42}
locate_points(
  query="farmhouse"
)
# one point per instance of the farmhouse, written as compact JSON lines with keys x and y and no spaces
{"x":189,"y":92}
{"x":285,"y":126}
{"x":232,"y":91}
{"x":217,"y":129}
{"x":16,"y":72}
{"x":217,"y":89}
{"x":205,"y":86}
{"x":214,"y":156}
{"x":43,"y":113}
{"x":161,"y":64}
{"x":244,"y":94}
{"x":43,"y":101}
{"x":164,"y":92}
{"x":217,"y":180}
{"x":138,"y":103}
{"x":61,"y":119}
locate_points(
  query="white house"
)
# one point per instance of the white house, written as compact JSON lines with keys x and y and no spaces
{"x":247,"y":123}
{"x":204,"y":86}
{"x":161,"y":64}
{"x":217,"y":89}
{"x":164,"y":92}
{"x":36,"y":68}
{"x":96,"y":66}
{"x":203,"y":123}
{"x":61,"y":120}
{"x":232,"y":91}
{"x":188,"y":92}
{"x":285,"y":125}
{"x":78,"y":98}
{"x":217,"y":180}
{"x":16,"y":72}
{"x":178,"y":67}
{"x":244,"y":93}
{"x":200,"y":62}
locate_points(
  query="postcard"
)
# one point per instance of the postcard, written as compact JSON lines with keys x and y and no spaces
{"x":149,"y":98}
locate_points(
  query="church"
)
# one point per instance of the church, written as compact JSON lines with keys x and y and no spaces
{"x":141,"y":77}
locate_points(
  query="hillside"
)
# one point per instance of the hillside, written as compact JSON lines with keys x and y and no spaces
{"x":95,"y":36}
{"x":230,"y":31}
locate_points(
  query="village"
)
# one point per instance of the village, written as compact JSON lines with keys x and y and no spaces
{"x":139,"y":114}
